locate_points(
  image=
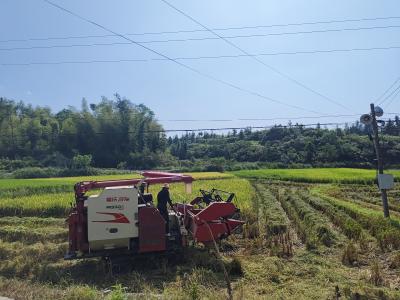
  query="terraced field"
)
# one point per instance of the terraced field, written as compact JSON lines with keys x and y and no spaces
{"x":301,"y":240}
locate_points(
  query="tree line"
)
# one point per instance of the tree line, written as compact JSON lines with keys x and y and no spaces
{"x":116,"y":133}
{"x":289,"y":146}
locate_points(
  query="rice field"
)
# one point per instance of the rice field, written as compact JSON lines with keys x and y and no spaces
{"x":301,"y":240}
{"x":27,"y":187}
{"x":58,"y":204}
{"x":317,"y":175}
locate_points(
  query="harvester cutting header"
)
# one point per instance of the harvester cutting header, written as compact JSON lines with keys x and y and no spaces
{"x":122,"y":219}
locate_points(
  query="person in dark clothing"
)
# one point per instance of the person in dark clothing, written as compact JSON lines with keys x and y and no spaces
{"x":163,"y":199}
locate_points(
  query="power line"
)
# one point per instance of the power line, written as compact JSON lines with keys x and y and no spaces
{"x":99,"y":118}
{"x":393,"y":97}
{"x":201,"y":30}
{"x":297,"y":125}
{"x":204,"y":129}
{"x":386,"y":91}
{"x":295,"y":81}
{"x":180,"y":63}
{"x":299,"y":118}
{"x":198,"y":57}
{"x":261,"y":119}
{"x":388,"y":96}
{"x":267,"y":119}
{"x":199,"y":39}
{"x":247,"y":127}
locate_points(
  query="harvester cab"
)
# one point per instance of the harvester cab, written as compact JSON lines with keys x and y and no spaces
{"x":122,"y":218}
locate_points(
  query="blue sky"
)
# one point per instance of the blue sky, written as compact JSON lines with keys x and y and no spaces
{"x":353,"y":79}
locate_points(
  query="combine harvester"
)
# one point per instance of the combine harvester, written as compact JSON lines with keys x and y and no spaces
{"x":122,"y":219}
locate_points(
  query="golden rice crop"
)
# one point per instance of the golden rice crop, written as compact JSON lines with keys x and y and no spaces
{"x":58,"y":204}
{"x":14,"y":188}
{"x":317,"y":175}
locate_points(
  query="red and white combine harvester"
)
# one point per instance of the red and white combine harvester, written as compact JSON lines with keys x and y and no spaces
{"x":122,"y":219}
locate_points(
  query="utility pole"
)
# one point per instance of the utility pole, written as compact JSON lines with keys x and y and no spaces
{"x":378,"y":152}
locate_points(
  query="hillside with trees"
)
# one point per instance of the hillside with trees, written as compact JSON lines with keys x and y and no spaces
{"x":116,"y":133}
{"x":289,"y":146}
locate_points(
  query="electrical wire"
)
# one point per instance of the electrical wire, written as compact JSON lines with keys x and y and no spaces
{"x":226,"y":83}
{"x":248,"y":127}
{"x":389,"y":96}
{"x":386,"y":91}
{"x":195,"y":57}
{"x":197,"y":39}
{"x":237,"y":119}
{"x":201,"y":30}
{"x":207,"y":129}
{"x":394,"y":97}
{"x":297,"y":125}
{"x":275,"y":70}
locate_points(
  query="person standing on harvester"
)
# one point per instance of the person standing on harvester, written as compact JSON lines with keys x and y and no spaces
{"x":162,"y":199}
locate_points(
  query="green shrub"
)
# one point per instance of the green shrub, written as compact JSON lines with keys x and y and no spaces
{"x":35,"y":172}
{"x":81,"y":162}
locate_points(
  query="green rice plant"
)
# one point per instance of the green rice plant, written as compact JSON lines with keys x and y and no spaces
{"x":386,"y":231}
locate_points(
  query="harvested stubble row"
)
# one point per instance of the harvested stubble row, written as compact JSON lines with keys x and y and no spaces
{"x":273,"y":222}
{"x":47,"y":251}
{"x":367,"y":196}
{"x":309,"y":223}
{"x":18,"y":259}
{"x":351,"y":228}
{"x":387,"y":232}
{"x":32,"y":235}
{"x":33,"y":222}
{"x":271,"y":214}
